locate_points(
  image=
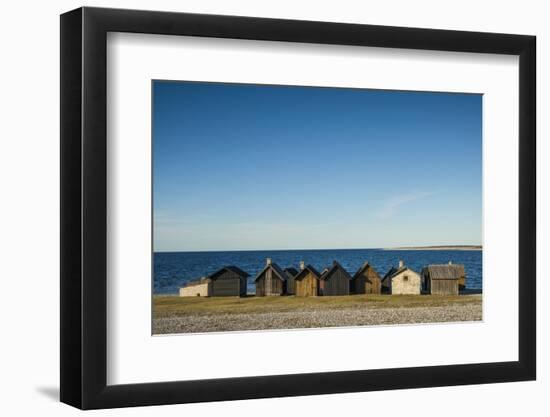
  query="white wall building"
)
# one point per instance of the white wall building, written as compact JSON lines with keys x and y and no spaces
{"x":401,"y":280}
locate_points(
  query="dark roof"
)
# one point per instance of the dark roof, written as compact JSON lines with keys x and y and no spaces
{"x":327,"y":273}
{"x":395,"y":271}
{"x":291,"y":271}
{"x":231,"y":268}
{"x":390,"y":272}
{"x":446,"y":271}
{"x":202,"y":280}
{"x":363,"y":268}
{"x":310,"y":269}
{"x":277,"y":269}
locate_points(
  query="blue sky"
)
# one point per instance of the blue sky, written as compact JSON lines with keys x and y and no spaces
{"x":244,"y":167}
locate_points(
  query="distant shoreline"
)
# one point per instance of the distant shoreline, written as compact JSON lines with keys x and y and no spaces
{"x":448,"y":247}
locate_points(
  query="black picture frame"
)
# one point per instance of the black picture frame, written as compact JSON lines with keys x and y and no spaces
{"x":84,"y":207}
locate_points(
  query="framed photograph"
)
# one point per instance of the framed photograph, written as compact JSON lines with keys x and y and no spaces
{"x":257,"y":208}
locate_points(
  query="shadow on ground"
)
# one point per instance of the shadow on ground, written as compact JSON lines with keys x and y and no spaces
{"x":50,"y":392}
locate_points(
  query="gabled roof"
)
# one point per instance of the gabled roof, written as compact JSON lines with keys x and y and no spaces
{"x":328,"y":272}
{"x":291,"y":271}
{"x":308,"y":268}
{"x":362,"y":268}
{"x":390,"y":272}
{"x":396,"y":271}
{"x":276,"y":269}
{"x":445,"y":271}
{"x":230,"y":268}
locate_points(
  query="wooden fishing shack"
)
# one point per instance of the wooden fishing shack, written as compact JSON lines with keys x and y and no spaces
{"x":290,"y":272}
{"x":335,"y":280}
{"x":271,"y":280}
{"x":443,"y":279}
{"x":229,"y":281}
{"x":306,"y":283}
{"x":366,"y":280}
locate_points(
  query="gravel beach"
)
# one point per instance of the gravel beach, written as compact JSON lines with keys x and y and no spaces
{"x":468,"y":308}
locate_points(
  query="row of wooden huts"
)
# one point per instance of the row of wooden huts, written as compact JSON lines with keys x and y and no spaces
{"x":306,"y":281}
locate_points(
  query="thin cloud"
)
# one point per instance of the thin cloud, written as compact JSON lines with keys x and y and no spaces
{"x":393,"y":204}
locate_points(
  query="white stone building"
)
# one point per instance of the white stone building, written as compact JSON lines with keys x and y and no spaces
{"x":401,"y":280}
{"x":198,"y":288}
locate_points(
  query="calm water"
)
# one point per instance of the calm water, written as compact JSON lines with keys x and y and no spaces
{"x":173,"y":269}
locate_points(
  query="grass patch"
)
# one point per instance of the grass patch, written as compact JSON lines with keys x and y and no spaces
{"x":167,"y":305}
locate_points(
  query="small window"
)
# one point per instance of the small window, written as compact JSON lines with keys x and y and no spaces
{"x":406,"y":278}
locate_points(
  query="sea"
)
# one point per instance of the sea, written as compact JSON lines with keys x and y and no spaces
{"x":173,"y":269}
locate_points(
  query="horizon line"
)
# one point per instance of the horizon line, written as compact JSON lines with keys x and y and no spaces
{"x":324,"y":249}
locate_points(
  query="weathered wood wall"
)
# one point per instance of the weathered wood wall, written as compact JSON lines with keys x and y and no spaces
{"x":244,"y":284}
{"x":374,"y":282}
{"x":228,"y":284}
{"x":277,"y":287}
{"x":368,"y":282}
{"x":290,"y":285}
{"x":336,"y":284}
{"x":443,"y":286}
{"x":357,"y":285}
{"x":260,"y":286}
{"x":226,"y":287}
{"x":307,"y":286}
{"x":268,"y":280}
{"x":269,"y":284}
{"x":274,"y":285}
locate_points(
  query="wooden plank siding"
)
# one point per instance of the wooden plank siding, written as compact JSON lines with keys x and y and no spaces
{"x":277,"y":287}
{"x":228,"y":284}
{"x":373,"y":286}
{"x":260,"y":287}
{"x":290,"y":272}
{"x":290,"y":285}
{"x":226,"y":287}
{"x":366,"y":281}
{"x":307,"y":285}
{"x":364,"y":285}
{"x":443,"y":286}
{"x":444,"y":279}
{"x":271,"y":280}
{"x":336,"y":283}
{"x":357,"y":285}
{"x":268,"y":284}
